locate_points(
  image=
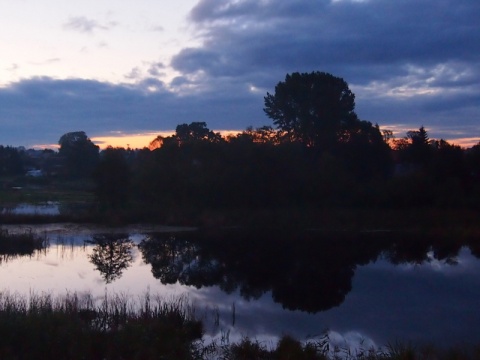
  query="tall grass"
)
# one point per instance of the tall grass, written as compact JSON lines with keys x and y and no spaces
{"x":81,"y":327}
{"x":73,"y":326}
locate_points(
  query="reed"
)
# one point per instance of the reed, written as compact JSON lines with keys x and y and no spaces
{"x":82,"y":327}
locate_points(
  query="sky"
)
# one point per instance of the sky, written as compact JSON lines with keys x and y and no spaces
{"x":125,"y":71}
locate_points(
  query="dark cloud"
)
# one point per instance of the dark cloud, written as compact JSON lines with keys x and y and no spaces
{"x":409,"y":62}
{"x":40,"y":110}
{"x":156,"y":69}
{"x":306,"y":34}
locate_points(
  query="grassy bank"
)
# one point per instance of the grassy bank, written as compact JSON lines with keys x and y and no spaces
{"x":115,"y":327}
{"x":73,"y":327}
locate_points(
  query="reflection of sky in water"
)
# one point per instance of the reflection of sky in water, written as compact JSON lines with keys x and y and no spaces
{"x":433,"y":302}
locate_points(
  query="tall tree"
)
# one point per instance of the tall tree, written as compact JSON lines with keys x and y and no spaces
{"x":419,"y":149}
{"x":80,"y":154}
{"x":314,"y":108}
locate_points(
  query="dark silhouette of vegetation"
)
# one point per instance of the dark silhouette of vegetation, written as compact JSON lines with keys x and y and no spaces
{"x":113,"y":179}
{"x":75,"y":327}
{"x":80,"y":154}
{"x":319,"y":155}
{"x":316,"y":109}
{"x":11,"y":161}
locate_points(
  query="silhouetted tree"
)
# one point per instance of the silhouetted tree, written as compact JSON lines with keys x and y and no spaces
{"x":263,"y":135}
{"x":314,"y":108}
{"x":416,"y":148}
{"x":80,"y":154}
{"x":194,"y":132}
{"x":11,"y":161}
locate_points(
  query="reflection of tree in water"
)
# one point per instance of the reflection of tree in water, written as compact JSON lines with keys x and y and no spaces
{"x":309,"y":271}
{"x":175,"y":258}
{"x":111,"y":254}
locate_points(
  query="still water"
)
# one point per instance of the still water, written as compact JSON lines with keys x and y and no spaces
{"x":368,"y":288}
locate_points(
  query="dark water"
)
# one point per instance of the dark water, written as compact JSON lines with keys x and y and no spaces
{"x":364,"y":288}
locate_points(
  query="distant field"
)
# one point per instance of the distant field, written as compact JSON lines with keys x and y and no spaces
{"x":20,"y":190}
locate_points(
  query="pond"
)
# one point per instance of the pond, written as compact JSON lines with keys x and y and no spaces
{"x":365,"y":289}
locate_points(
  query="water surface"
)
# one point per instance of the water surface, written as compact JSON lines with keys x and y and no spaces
{"x":363,"y":288}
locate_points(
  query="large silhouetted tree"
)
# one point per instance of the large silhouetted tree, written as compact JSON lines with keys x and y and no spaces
{"x":315,"y":108}
{"x":80,"y":154}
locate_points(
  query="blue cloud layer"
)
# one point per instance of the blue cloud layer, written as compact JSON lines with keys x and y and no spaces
{"x":409,"y":62}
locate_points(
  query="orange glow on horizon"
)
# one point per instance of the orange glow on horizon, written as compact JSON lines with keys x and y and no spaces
{"x":133,"y":141}
{"x":143,"y":140}
{"x":465,"y":142}
{"x":140,"y":140}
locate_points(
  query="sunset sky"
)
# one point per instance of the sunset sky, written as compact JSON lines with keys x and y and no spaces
{"x":124,"y":71}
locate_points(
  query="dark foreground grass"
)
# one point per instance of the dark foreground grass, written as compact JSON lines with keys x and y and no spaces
{"x":73,"y":327}
{"x":115,"y":327}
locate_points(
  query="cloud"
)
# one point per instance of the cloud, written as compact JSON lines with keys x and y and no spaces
{"x":85,"y":25}
{"x":344,"y":35}
{"x":40,"y":110}
{"x":409,"y":61}
{"x":158,"y":28}
{"x":46,"y":62}
{"x":135,"y":73}
{"x":12,"y":67}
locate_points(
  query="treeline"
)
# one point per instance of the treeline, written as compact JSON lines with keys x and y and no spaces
{"x":257,"y":169}
{"x":318,"y":154}
{"x":254,"y":169}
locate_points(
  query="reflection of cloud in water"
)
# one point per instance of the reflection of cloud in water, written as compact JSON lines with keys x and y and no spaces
{"x":258,"y":319}
{"x":464,"y":263}
{"x":340,"y":345}
{"x":387,"y":302}
{"x":351,"y":342}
